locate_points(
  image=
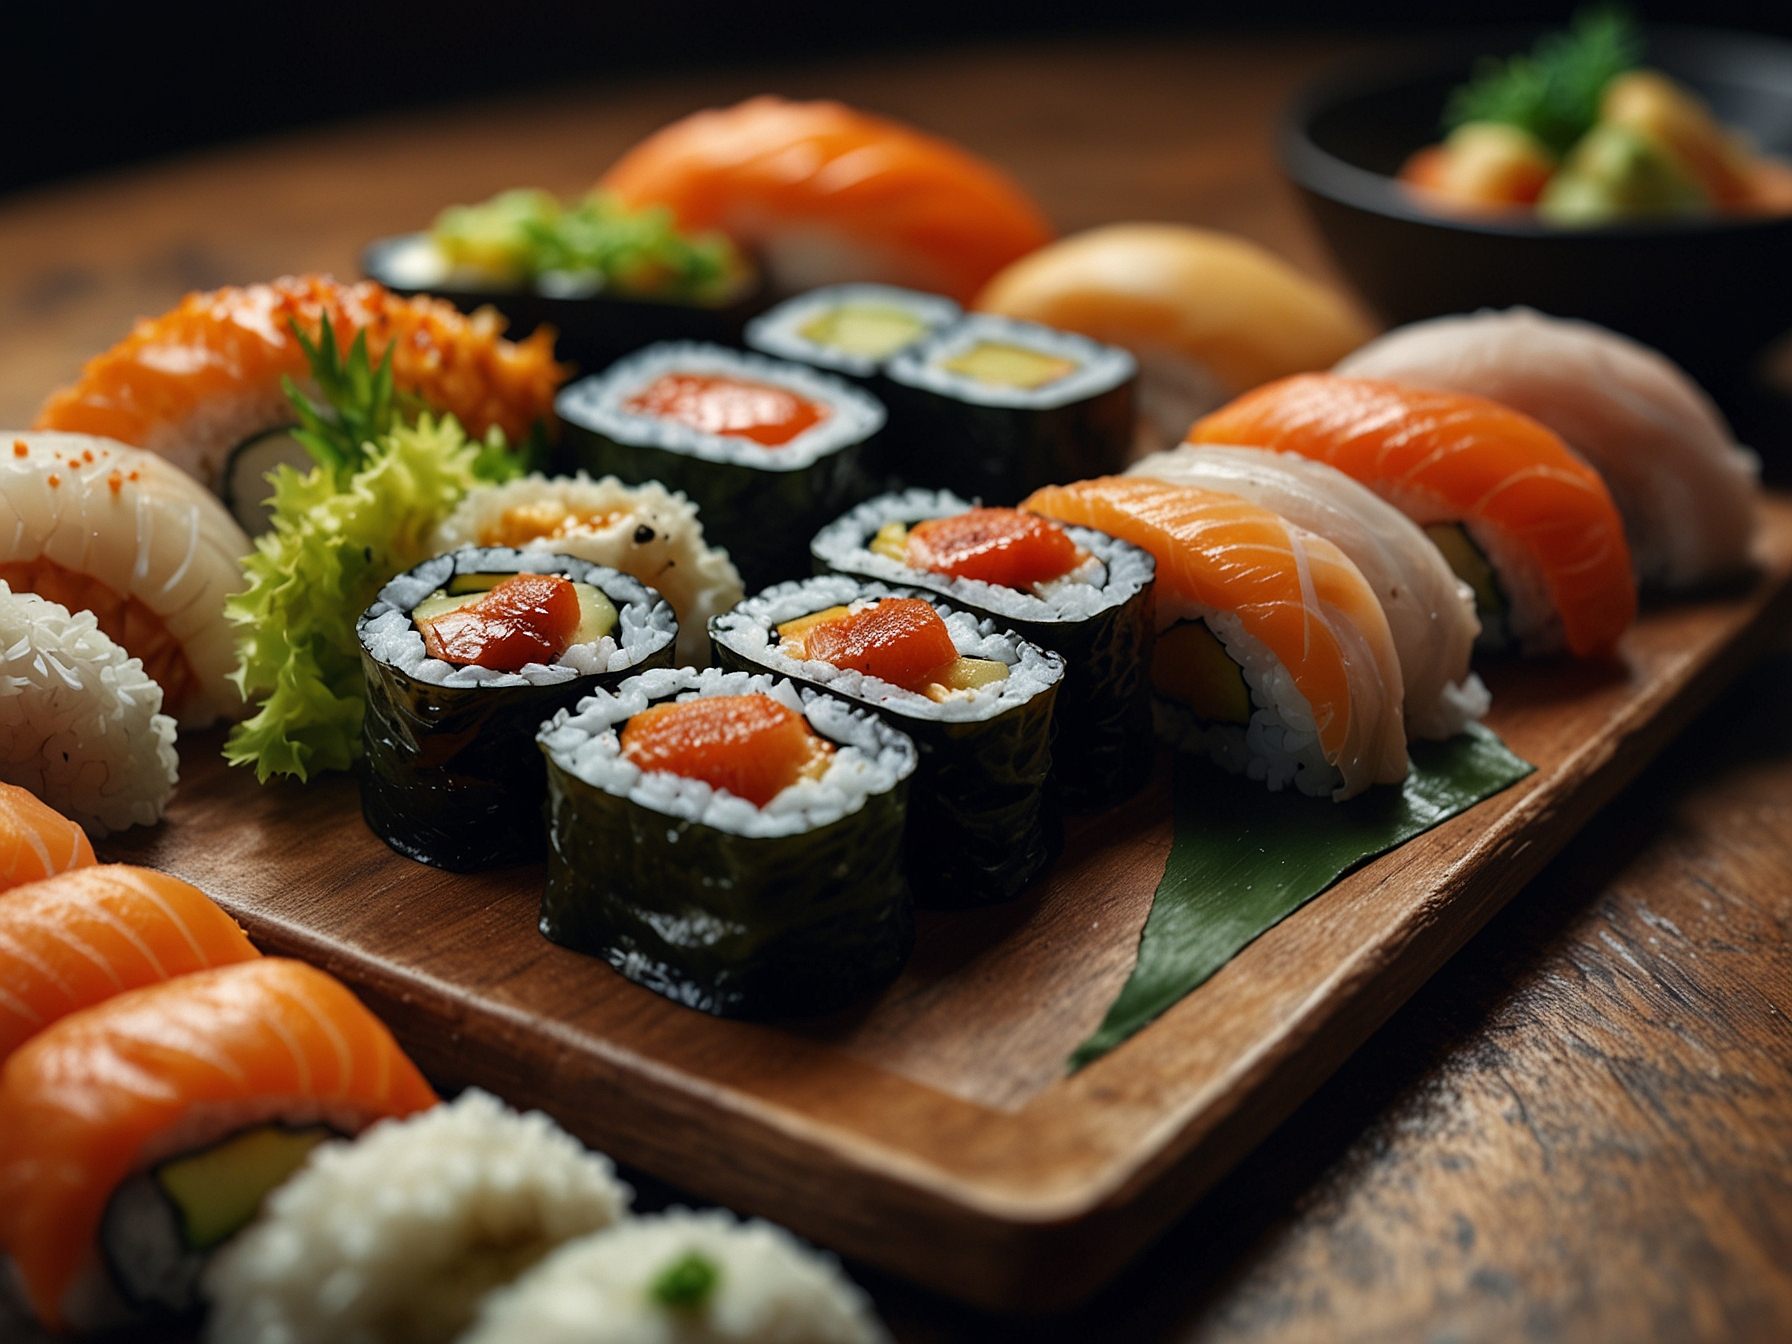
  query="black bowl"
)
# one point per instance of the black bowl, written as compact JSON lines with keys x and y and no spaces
{"x":1709,"y":292}
{"x":594,"y":331}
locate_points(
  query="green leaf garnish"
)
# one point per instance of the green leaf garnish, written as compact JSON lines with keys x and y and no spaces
{"x":1553,"y":92}
{"x":687,"y":1283}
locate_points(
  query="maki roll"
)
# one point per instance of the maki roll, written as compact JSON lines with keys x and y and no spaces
{"x":465,"y":656}
{"x":143,"y":1132}
{"x":850,"y":329}
{"x":728,"y":843}
{"x":1089,"y":596}
{"x":977,"y":700}
{"x":993,"y":408}
{"x":768,"y":451}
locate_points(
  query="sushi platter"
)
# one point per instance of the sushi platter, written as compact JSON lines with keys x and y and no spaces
{"x":935,"y":1132}
{"x":940,"y":740}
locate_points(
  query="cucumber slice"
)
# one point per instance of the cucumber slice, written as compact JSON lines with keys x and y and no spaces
{"x":968,"y":674}
{"x":218,"y":1190}
{"x":1470,"y":565}
{"x":597,"y":614}
{"x":1192,"y":666}
{"x":246,"y":490}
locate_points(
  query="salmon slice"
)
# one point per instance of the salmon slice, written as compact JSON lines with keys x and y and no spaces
{"x":1000,"y":546}
{"x":36,"y":841}
{"x":768,"y":416}
{"x":825,"y":193}
{"x":1446,"y":457}
{"x":750,"y":745}
{"x":528,"y":618}
{"x":195,"y":382}
{"x":78,"y":938}
{"x":1294,"y":592}
{"x":166,"y":1069}
{"x":901,"y":640}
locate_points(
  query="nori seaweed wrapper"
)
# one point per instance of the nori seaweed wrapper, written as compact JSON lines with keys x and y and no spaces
{"x":999,"y":443}
{"x":710,"y":915}
{"x":451,"y":777}
{"x":983,"y":823}
{"x":1103,"y":751}
{"x":761,"y":504}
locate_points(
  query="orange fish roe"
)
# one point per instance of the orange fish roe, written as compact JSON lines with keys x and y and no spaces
{"x":769,"y":416}
{"x":125,"y":620}
{"x":750,"y":745}
{"x":235,"y":339}
{"x":20,"y":448}
{"x":543,"y":520}
{"x":528,"y":618}
{"x":1000,"y":546}
{"x":901,"y":640}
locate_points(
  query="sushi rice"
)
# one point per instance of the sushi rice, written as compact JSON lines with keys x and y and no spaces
{"x":681,"y":1278}
{"x":644,"y":530}
{"x":397,"y":1235}
{"x":80,"y":723}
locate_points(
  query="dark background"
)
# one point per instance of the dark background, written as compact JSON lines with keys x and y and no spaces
{"x":92,"y":86}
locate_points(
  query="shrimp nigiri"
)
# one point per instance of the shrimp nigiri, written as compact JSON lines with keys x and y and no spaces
{"x":76,"y":939}
{"x":36,"y":841}
{"x":142,"y":1132}
{"x":1274,"y":655}
{"x":826,"y":193}
{"x":1522,"y":520}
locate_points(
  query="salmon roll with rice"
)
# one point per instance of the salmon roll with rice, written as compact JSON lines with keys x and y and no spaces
{"x":81,"y":726}
{"x":977,"y":699}
{"x":465,"y":656}
{"x":769,"y":451}
{"x":643,"y":530}
{"x":411,"y":1223}
{"x":729,"y":843}
{"x":991,"y":408}
{"x":96,"y":526}
{"x":73,"y":940}
{"x":144,"y":1131}
{"x":36,"y":841}
{"x":1431,"y":612}
{"x":651,"y":1279}
{"x":1689,"y":494}
{"x":1273,"y":655}
{"x":1084,"y":594}
{"x":823,"y":193}
{"x":1522,"y":520}
{"x":201,"y":385}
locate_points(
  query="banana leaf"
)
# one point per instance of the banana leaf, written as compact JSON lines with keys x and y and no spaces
{"x":1243,"y":860}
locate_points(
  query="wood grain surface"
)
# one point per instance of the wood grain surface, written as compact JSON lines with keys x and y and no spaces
{"x":1578,"y":1132}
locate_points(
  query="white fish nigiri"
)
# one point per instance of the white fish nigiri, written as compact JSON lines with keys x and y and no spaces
{"x":1431,"y":612}
{"x":97,"y":526}
{"x":1687,"y":492}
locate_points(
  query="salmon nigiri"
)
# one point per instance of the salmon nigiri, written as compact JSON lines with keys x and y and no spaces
{"x":73,"y":940}
{"x":36,"y":841}
{"x":1275,"y":654}
{"x":202,"y":381}
{"x":826,"y":193}
{"x":141,"y":1133}
{"x":1522,"y":520}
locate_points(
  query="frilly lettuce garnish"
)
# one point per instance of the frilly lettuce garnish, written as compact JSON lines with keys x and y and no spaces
{"x":341,"y":531}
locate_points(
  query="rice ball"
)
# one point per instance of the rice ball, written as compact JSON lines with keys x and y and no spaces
{"x":396,"y":1236}
{"x":681,"y":1278}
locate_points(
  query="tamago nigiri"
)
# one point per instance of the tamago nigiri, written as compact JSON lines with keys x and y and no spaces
{"x":1522,"y":520}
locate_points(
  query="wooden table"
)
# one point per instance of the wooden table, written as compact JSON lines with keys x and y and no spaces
{"x":1581,"y":1129}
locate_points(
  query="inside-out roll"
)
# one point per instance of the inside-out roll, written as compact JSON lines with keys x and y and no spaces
{"x":1687,"y":492}
{"x":1431,"y":612}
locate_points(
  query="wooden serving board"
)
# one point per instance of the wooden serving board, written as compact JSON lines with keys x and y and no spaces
{"x":934,"y":1131}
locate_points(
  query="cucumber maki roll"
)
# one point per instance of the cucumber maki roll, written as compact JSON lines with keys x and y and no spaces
{"x":728,"y":842}
{"x":976,"y":698}
{"x":994,"y":408}
{"x":465,"y":656}
{"x":850,"y":329}
{"x":1089,"y":596}
{"x":768,"y":451}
